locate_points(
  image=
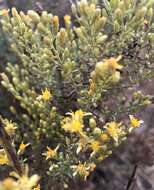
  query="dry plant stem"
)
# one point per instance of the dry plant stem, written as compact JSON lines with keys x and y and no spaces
{"x":132,"y":177}
{"x":5,"y":142}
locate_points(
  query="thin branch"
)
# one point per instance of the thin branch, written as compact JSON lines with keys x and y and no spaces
{"x":132,"y":177}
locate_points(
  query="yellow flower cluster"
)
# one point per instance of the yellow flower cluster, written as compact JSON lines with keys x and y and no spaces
{"x":94,"y":140}
{"x":95,"y":145}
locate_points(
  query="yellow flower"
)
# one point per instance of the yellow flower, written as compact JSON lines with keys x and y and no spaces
{"x":3,"y":158}
{"x":92,"y":88}
{"x":114,"y":130}
{"x":50,"y":153}
{"x":135,"y":122}
{"x":78,"y":115}
{"x":113,"y":63}
{"x":95,"y":145}
{"x":46,"y":95}
{"x":81,"y":169}
{"x":67,"y":18}
{"x":28,"y":182}
{"x":37,"y":187}
{"x":22,"y":147}
{"x":106,"y":68}
{"x":55,"y":20}
{"x":4,"y":12}
{"x":77,"y":126}
{"x":74,"y":124}
{"x":25,"y":182}
{"x":104,"y":137}
{"x":9,"y":127}
{"x":9,"y":184}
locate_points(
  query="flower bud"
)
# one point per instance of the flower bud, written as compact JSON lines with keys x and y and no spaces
{"x":141,"y":13}
{"x":45,"y":17}
{"x":16,"y":81}
{"x":151,"y":36}
{"x":14,"y":47}
{"x":4,"y":84}
{"x":78,"y":31}
{"x":93,"y":75}
{"x":122,"y":6}
{"x":104,"y":137}
{"x":116,"y":26}
{"x":13,"y":110}
{"x":22,"y":15}
{"x":101,"y":69}
{"x":23,"y":27}
{"x":62,"y":36}
{"x":118,"y":15}
{"x":47,"y":40}
{"x":101,"y":38}
{"x":100,"y":24}
{"x":55,"y":22}
{"x":40,"y":27}
{"x":92,"y":123}
{"x":115,"y":77}
{"x":82,"y":5}
{"x":98,"y":13}
{"x":137,"y":95}
{"x":34,"y":16}
{"x":146,"y":102}
{"x":67,"y":20}
{"x":5,"y":78}
{"x":74,"y":10}
{"x":25,"y":86}
{"x":14,"y":12}
{"x":97,"y":131}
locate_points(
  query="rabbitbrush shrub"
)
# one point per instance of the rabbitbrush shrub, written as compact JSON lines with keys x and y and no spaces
{"x":77,"y":87}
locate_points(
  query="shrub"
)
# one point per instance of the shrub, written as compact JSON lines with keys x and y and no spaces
{"x":77,"y":86}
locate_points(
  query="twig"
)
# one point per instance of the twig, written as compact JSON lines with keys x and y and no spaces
{"x":132,"y":177}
